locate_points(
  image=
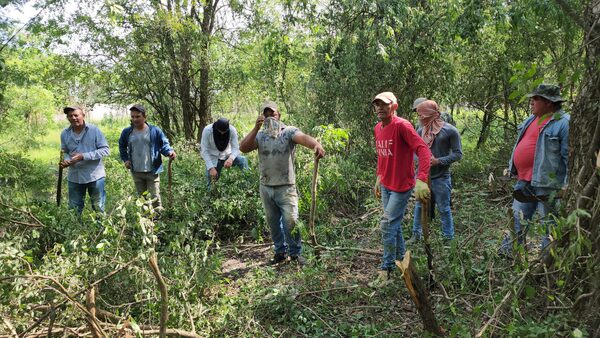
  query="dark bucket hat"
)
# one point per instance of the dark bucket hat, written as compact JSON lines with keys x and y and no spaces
{"x":547,"y":91}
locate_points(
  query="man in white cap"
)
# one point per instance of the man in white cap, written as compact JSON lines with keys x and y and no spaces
{"x":396,"y":143}
{"x":276,"y":144}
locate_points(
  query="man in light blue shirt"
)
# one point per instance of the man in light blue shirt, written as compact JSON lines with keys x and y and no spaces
{"x":84,"y":146}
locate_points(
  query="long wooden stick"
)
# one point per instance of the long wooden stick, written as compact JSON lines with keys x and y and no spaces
{"x":425,"y":209}
{"x":60,"y":177}
{"x":170,"y":182}
{"x":164,"y":297}
{"x":313,"y":203}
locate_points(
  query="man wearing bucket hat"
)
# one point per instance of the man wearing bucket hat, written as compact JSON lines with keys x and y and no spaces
{"x":140,"y":148}
{"x":539,"y":162}
{"x":396,"y":142}
{"x":276,"y":144}
{"x":220,"y":149}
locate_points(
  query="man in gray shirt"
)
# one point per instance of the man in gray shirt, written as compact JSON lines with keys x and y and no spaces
{"x":140,"y":148}
{"x":444,"y":141}
{"x":276,"y":144}
{"x":84,"y":146}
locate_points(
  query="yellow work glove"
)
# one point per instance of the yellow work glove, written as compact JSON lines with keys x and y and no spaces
{"x":422,"y":192}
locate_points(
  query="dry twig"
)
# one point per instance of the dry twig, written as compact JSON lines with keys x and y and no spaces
{"x":164,"y":297}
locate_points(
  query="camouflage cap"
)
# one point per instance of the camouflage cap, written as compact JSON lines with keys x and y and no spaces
{"x":547,"y":91}
{"x":268,"y":104}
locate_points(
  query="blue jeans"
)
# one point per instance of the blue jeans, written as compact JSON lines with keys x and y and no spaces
{"x":96,"y":191}
{"x":281,"y":211}
{"x":523,"y":214}
{"x":239,"y":161}
{"x":394,"y":206}
{"x":441,"y":188}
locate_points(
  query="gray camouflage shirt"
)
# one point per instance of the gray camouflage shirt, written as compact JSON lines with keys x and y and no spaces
{"x":276,"y":157}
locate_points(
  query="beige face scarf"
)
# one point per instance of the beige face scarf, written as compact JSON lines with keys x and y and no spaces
{"x":272,"y":127}
{"x":429,"y":116}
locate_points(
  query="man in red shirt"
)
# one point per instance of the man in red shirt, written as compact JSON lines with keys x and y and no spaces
{"x":396,"y":142}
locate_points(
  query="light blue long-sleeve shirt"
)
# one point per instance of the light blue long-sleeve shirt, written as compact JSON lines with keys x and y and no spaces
{"x":92,"y":144}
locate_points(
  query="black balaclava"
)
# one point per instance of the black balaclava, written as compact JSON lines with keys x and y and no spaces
{"x":221,"y":140}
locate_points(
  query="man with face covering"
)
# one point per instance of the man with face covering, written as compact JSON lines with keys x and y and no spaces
{"x":443,"y":140}
{"x":276,"y":144}
{"x":220,"y":149}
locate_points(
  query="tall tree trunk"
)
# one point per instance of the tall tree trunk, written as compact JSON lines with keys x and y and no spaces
{"x":207,"y":25}
{"x":185,"y":85}
{"x":584,"y":171}
{"x":488,"y":116}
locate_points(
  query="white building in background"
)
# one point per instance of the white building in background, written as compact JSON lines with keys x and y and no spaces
{"x":101,"y":111}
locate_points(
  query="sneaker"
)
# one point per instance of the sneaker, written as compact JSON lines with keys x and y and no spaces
{"x":301,"y":261}
{"x":277,"y":258}
{"x":384,"y":277}
{"x":414,"y":239}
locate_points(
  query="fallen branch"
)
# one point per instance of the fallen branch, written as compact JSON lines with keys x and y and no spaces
{"x":164,"y":297}
{"x":362,"y":218}
{"x":26,"y":212}
{"x":61,"y":303}
{"x":145,"y":329}
{"x":148,"y":330}
{"x":9,"y":326}
{"x":61,"y":289}
{"x":31,"y":225}
{"x":508,"y":295}
{"x":337,"y":248}
{"x":90,"y":303}
{"x":321,"y":319}
{"x":326,"y":290}
{"x":419,"y":295}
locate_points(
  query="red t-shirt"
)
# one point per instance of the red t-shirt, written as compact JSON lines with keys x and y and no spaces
{"x":525,"y":150}
{"x":395,"y":144}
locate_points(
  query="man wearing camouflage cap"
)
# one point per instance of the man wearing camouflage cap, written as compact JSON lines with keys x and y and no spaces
{"x":276,"y":145}
{"x":539,"y":162}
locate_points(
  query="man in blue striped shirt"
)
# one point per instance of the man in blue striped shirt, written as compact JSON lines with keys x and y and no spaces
{"x":84,"y":146}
